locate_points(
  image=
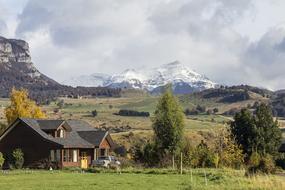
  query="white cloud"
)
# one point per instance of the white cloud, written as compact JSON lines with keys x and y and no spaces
{"x":211,"y":36}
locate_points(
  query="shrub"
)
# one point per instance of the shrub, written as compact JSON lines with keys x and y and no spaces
{"x":191,"y":112}
{"x":94,"y":113}
{"x":202,"y":156}
{"x":261,"y":164}
{"x":267,"y":164}
{"x":229,"y":152}
{"x":133,"y":113}
{"x":201,"y":109}
{"x":18,"y":158}
{"x":150,"y":155}
{"x":2,"y":159}
{"x":121,"y":151}
{"x":254,"y":159}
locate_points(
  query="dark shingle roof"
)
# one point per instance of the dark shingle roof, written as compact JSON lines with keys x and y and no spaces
{"x":94,"y":137}
{"x":50,"y":124}
{"x":82,"y":134}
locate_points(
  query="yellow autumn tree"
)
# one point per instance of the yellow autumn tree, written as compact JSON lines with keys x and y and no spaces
{"x":22,"y":106}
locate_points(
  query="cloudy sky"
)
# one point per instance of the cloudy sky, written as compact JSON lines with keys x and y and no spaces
{"x":230,"y":41}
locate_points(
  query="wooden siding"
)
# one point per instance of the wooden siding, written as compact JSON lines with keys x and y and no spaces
{"x":105,"y":144}
{"x":35,"y":147}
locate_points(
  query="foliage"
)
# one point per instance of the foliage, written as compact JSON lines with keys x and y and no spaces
{"x":201,"y":109}
{"x":258,"y":132}
{"x":94,"y":113}
{"x":269,"y":134}
{"x":60,"y":104}
{"x":261,"y":164}
{"x":229,"y":153}
{"x":2,"y":160}
{"x":202,"y":156}
{"x":121,"y":151}
{"x":18,"y":158}
{"x":133,"y":113}
{"x":146,"y":154}
{"x":3,"y":127}
{"x":191,"y":112}
{"x":168,"y":124}
{"x":22,"y":106}
{"x":216,"y":110}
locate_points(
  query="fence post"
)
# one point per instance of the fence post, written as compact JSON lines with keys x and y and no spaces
{"x":173,"y":162}
{"x":206,"y":182}
{"x":181,"y":164}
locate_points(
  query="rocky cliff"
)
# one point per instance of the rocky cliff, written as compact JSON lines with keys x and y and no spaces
{"x":17,"y":70}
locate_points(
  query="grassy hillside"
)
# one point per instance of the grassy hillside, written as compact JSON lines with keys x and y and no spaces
{"x":126,"y":129}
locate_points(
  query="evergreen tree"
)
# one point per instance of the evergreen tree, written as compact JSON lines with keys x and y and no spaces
{"x":168,"y":124}
{"x":258,"y":133}
{"x":269,"y":134}
{"x":244,"y":131}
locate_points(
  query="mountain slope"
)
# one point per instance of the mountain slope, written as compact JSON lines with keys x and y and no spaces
{"x":17,"y":70}
{"x":183,"y":79}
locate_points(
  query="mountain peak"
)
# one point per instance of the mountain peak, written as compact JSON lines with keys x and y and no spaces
{"x":174,"y":63}
{"x":151,"y":79}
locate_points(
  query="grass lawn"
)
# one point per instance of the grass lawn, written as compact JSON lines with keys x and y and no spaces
{"x":147,"y":179}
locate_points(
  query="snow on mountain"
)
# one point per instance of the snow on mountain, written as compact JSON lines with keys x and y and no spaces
{"x":183,"y":79}
{"x":94,"y":80}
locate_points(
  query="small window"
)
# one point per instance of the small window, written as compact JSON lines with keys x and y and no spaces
{"x":75,"y":155}
{"x":52,"y":155}
{"x":58,"y":155}
{"x":102,"y":152}
{"x":61,"y":133}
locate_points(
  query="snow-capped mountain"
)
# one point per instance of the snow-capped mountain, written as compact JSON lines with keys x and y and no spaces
{"x":182,"y":78}
{"x":94,"y":80}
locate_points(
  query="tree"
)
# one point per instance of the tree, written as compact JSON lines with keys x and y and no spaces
{"x":244,"y":131}
{"x":60,"y":104}
{"x":269,"y":134}
{"x":258,"y":132}
{"x":94,"y":113}
{"x":216,"y":110}
{"x":202,"y":156}
{"x":22,"y":106}
{"x":168,"y":124}
{"x":201,"y":109}
{"x":229,"y":153}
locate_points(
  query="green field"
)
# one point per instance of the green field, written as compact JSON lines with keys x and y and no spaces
{"x":139,"y":180}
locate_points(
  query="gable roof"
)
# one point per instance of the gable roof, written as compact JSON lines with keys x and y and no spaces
{"x":94,"y":137}
{"x":49,"y":124}
{"x":81,"y":134}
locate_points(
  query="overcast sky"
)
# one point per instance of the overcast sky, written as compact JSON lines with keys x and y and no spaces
{"x":230,"y":41}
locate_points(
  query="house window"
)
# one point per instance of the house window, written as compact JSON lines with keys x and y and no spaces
{"x":58,"y":155}
{"x":102,"y":152}
{"x":55,"y":155}
{"x":70,"y":155}
{"x":75,"y":155}
{"x":52,"y":155}
{"x":60,"y":133}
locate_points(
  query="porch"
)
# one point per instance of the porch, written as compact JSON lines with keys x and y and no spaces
{"x":74,"y":157}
